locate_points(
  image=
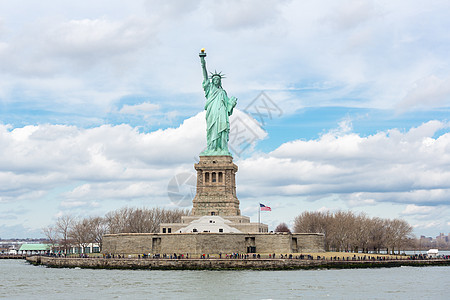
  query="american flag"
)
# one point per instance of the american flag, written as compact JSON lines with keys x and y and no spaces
{"x":264,"y":208}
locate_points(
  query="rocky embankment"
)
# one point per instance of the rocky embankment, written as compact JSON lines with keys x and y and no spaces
{"x":223,"y":264}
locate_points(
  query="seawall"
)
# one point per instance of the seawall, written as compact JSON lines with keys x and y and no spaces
{"x":13,"y":256}
{"x":223,"y":264}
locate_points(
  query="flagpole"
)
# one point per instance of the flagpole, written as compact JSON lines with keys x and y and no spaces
{"x":259,"y":216}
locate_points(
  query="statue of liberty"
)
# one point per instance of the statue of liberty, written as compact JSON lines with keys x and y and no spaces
{"x":218,"y":108}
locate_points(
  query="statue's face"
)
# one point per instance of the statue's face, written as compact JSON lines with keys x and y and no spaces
{"x":216,"y":80}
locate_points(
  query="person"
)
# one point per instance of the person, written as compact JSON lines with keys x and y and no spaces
{"x":218,"y":109}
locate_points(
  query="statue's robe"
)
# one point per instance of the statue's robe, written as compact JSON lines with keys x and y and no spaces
{"x":218,"y":107}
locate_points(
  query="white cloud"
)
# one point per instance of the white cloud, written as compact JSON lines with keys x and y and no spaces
{"x":72,"y":63}
{"x":36,"y":159}
{"x":432,"y":224}
{"x":351,"y":14}
{"x":245,"y":133}
{"x":345,"y":127}
{"x":106,"y":162}
{"x":139,"y":109}
{"x":19,"y":231}
{"x":359,"y":199}
{"x":168,"y":11}
{"x":3,"y":48}
{"x":430,"y":91}
{"x":392,"y":166}
{"x":94,"y":39}
{"x":366,"y":54}
{"x":73,"y":204}
{"x":238,"y":15}
{"x":75,"y":46}
{"x":88,"y":168}
{"x":413,"y":209}
{"x":323,"y":209}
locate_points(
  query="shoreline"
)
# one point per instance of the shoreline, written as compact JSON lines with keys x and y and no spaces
{"x":224,"y":264}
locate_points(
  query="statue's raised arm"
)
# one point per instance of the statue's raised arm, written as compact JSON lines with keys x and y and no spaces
{"x":218,"y":108}
{"x":202,"y":60}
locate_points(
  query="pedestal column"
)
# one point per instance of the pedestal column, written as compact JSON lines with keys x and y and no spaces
{"x":216,"y":187}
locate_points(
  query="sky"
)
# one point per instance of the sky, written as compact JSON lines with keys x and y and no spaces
{"x":342,"y":105}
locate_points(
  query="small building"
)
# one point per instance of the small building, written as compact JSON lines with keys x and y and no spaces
{"x":12,"y":251}
{"x":85,"y":249}
{"x":30,"y":249}
{"x":214,"y":223}
{"x":433,"y":253}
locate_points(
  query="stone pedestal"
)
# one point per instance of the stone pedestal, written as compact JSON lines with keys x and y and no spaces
{"x":216,"y":187}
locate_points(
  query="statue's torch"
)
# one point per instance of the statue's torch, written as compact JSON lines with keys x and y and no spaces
{"x":202,"y":53}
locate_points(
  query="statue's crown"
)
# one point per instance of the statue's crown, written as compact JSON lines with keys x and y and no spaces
{"x":217,"y":74}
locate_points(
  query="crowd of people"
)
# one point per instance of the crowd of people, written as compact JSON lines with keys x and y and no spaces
{"x":236,"y":255}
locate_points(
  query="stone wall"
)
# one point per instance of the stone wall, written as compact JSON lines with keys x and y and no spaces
{"x":220,"y":264}
{"x":309,"y":242}
{"x":199,"y":243}
{"x":173,"y":264}
{"x":251,"y":227}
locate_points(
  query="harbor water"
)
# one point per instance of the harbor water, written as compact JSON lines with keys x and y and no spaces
{"x":20,"y":280}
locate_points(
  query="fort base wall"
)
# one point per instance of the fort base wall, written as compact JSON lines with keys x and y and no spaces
{"x":204,"y":243}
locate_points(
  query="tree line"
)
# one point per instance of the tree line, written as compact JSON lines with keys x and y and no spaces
{"x":344,"y":230}
{"x":347,"y":231}
{"x":81,"y":231}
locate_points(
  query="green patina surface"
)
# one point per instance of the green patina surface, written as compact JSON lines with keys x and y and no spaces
{"x":218,"y":109}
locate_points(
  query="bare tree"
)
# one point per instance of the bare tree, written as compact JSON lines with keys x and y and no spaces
{"x":282,"y":227}
{"x":63,"y":227}
{"x":69,"y":230}
{"x":80,"y":232}
{"x":117,"y":220}
{"x":315,"y":222}
{"x":52,"y":235}
{"x":402,"y":233}
{"x":377,"y":234}
{"x":364,"y":232}
{"x":345,"y":230}
{"x":342,"y":230}
{"x":141,"y":220}
{"x":98,"y":228}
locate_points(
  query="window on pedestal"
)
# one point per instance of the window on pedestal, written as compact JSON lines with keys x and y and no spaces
{"x":220,"y":177}
{"x":213,"y":177}
{"x":207,"y":177}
